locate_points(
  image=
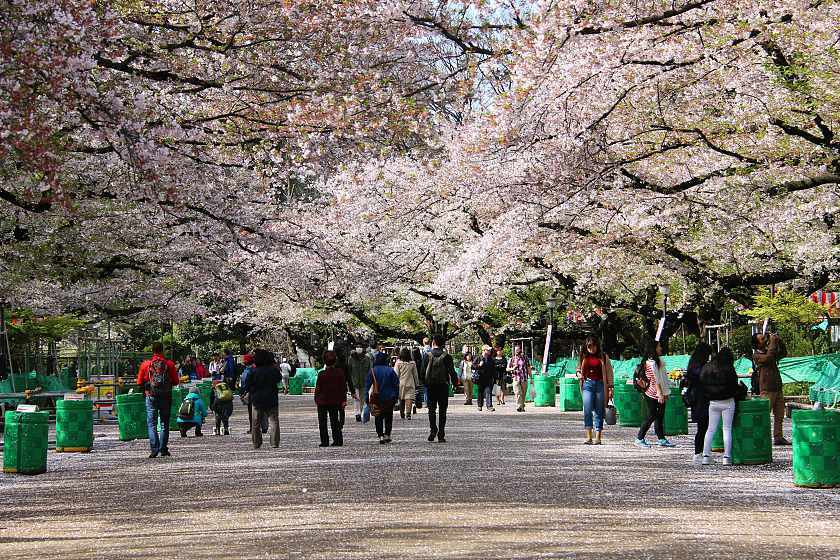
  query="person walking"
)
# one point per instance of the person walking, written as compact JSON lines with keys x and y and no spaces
{"x":248,"y":359}
{"x":439,"y":372}
{"x":331,"y":397}
{"x":358,"y":366}
{"x":521,"y":371}
{"x":228,"y":370}
{"x":222,"y":407}
{"x":697,"y":397}
{"x":486,"y":370}
{"x":501,"y":374}
{"x":420,"y":392}
{"x":285,"y":374}
{"x":595,"y":373}
{"x":409,"y":380}
{"x":157,"y":376}
{"x":386,"y":390}
{"x":656,"y":396}
{"x":768,"y":349}
{"x":195,"y":404}
{"x":466,"y":377}
{"x":261,"y":386}
{"x":720,"y":385}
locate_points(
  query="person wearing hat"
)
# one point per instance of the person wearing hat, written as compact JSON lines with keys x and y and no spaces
{"x":199,"y":411}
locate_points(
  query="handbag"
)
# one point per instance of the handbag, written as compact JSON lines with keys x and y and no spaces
{"x":610,"y":416}
{"x":741,"y":392}
{"x":376,"y":407}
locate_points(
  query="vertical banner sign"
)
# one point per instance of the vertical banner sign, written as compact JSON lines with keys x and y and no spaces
{"x":660,"y":329}
{"x":545,"y":350}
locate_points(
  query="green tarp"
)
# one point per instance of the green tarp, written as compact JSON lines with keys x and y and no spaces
{"x":805,"y":368}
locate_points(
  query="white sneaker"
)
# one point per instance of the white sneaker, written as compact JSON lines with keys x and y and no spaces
{"x":727,"y":460}
{"x":708,"y":460}
{"x":697,"y":459}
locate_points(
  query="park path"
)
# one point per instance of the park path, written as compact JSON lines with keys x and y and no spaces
{"x":504,"y":486}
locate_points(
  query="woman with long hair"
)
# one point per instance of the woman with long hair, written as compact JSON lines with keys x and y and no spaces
{"x":720,"y":385}
{"x":656,"y":396}
{"x":407,"y":373}
{"x":466,"y":377}
{"x":699,"y":401}
{"x":595,"y":372}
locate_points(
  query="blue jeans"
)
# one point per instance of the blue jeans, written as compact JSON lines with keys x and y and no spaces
{"x":485,"y":396}
{"x":594,"y":399}
{"x":158,"y":408}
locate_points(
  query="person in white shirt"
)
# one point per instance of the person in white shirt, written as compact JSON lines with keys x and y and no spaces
{"x":285,"y":373}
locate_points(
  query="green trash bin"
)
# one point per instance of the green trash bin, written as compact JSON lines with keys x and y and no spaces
{"x":570,"y":396}
{"x":751,"y":441}
{"x":629,"y":405}
{"x":295,"y":385}
{"x":528,"y":390}
{"x":73,"y":426}
{"x":25,"y":440}
{"x":676,"y":415}
{"x":546,"y":390}
{"x":475,"y":391}
{"x":131,"y":416}
{"x":204,"y":390}
{"x":816,"y":448}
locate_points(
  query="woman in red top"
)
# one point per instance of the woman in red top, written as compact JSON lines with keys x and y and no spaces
{"x":595,"y":373}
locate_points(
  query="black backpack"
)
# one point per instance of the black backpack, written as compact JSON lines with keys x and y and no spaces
{"x":187,"y":409}
{"x":159,"y":382}
{"x":640,"y":378}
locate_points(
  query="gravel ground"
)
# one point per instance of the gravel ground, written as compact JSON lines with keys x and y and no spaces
{"x":505,"y":485}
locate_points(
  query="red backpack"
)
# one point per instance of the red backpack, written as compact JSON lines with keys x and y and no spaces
{"x":159,"y":383}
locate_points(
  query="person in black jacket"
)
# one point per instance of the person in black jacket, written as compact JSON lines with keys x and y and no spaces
{"x":486,"y":378}
{"x":262,"y":384}
{"x":699,"y":402}
{"x":720,"y":385}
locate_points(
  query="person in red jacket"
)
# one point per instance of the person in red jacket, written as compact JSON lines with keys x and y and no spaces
{"x":331,"y":397}
{"x":157,"y":376}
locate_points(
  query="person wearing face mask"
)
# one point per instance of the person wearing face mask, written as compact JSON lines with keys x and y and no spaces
{"x":521,"y":371}
{"x":358,"y":366}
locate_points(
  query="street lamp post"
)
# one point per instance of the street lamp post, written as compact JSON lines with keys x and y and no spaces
{"x":664,"y":289}
{"x":550,"y":303}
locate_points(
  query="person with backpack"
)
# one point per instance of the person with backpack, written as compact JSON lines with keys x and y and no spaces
{"x":520,"y":369}
{"x":222,"y":405}
{"x":358,"y":366}
{"x":245,"y":397}
{"x":331,"y":397}
{"x":485,"y":376}
{"x":696,"y":398}
{"x":382,"y":389}
{"x":720,"y":386}
{"x":157,"y":376}
{"x":261,"y":387}
{"x":656,"y":395}
{"x":191,"y":413}
{"x":768,"y":349}
{"x":438,"y":374}
{"x":595,"y":373}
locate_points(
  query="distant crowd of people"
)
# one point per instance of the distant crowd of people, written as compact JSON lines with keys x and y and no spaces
{"x":380,"y":384}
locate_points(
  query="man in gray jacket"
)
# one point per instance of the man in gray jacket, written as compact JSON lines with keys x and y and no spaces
{"x":358,"y":366}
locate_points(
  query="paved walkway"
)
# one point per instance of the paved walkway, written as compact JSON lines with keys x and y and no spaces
{"x":505,"y":486}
